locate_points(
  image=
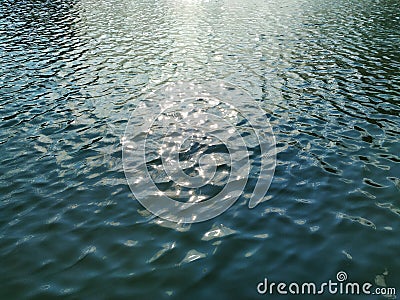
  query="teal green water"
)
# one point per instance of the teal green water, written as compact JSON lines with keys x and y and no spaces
{"x":325,"y":72}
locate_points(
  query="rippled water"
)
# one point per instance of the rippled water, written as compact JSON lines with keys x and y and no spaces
{"x":326,"y":73}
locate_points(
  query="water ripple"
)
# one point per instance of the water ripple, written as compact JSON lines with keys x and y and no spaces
{"x":325,"y":72}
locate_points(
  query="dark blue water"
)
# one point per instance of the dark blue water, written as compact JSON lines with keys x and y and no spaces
{"x":325,"y":72}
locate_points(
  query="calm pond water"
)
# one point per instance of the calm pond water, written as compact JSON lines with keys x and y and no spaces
{"x":327,"y":75}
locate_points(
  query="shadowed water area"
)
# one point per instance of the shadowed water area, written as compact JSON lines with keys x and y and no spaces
{"x":326,"y":73}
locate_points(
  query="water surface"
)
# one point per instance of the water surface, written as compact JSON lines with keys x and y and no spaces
{"x":325,"y":72}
